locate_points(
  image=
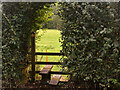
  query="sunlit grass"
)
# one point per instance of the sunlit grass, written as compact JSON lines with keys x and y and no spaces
{"x":48,"y":41}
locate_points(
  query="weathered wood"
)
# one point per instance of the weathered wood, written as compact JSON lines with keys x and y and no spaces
{"x":46,"y":69}
{"x":58,"y":72}
{"x":48,"y":53}
{"x":54,"y":72}
{"x":45,"y":73}
{"x":55,"y":79}
{"x":33,"y":56}
{"x":50,"y":63}
{"x":63,"y":81}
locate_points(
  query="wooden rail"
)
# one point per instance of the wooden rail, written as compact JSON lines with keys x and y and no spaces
{"x":58,"y":72}
{"x":54,"y":72}
{"x":50,"y":63}
{"x":48,"y":53}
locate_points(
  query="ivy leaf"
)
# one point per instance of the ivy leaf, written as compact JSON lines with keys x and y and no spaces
{"x":99,"y":59}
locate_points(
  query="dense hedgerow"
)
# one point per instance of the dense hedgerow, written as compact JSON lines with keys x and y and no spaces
{"x":91,"y":41}
{"x":19,"y":19}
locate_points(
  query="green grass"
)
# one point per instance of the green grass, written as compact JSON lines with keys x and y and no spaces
{"x":48,"y":40}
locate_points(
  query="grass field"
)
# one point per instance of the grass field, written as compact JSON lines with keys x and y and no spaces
{"x":48,"y":41}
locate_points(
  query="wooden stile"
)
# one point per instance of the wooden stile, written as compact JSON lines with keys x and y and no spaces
{"x":45,"y":72}
{"x":55,"y":80}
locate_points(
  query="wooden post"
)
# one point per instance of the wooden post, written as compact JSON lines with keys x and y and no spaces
{"x":46,"y":56}
{"x":33,"y":56}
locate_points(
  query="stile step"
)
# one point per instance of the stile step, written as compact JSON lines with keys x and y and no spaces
{"x":55,"y":80}
{"x":46,"y":69}
{"x":45,"y":73}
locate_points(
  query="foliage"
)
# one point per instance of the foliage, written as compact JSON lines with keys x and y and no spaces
{"x":91,"y":41}
{"x":56,"y":22}
{"x":19,"y":20}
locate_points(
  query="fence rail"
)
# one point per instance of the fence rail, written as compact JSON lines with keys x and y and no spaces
{"x":48,"y":53}
{"x":50,"y":63}
{"x":54,"y":72}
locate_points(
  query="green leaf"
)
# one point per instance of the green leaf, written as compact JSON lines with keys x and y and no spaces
{"x":99,"y":59}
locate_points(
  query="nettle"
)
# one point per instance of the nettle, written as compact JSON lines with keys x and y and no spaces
{"x":91,"y":41}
